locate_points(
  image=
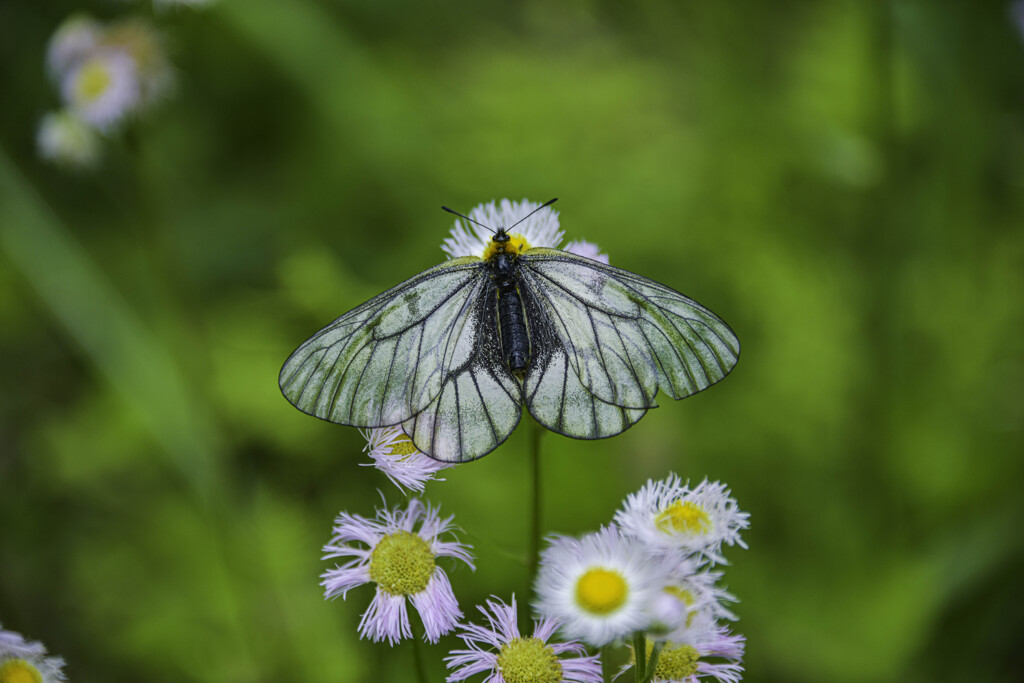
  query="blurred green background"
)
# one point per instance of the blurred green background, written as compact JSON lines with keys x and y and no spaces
{"x":842,"y":182}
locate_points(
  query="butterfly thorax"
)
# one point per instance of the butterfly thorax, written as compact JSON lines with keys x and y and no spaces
{"x":504,"y":243}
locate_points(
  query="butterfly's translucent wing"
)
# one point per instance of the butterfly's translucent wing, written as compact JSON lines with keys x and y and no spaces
{"x":559,"y":401}
{"x":624,"y":337}
{"x":479,"y":404}
{"x":409,"y":350}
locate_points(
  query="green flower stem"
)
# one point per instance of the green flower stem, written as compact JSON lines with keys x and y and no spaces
{"x":606,"y":665}
{"x":639,"y":657}
{"x":536,"y":431}
{"x":417,"y":651}
{"x":653,"y":662}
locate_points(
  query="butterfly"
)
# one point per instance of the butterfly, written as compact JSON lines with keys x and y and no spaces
{"x":453,"y":354}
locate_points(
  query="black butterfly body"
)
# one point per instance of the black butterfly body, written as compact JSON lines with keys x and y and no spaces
{"x":512,"y":326}
{"x":454,"y":353}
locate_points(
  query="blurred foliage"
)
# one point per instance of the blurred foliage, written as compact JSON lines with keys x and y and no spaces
{"x":843,"y":182}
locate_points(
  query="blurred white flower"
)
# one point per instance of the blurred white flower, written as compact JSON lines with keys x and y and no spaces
{"x":144,"y":44}
{"x":71,"y":42}
{"x":26,"y":662}
{"x":103,"y":88}
{"x":66,"y":140}
{"x":668,"y":515}
{"x":586,"y":249}
{"x":108,"y":72}
{"x":601,"y":586}
{"x":394,"y":454}
{"x":1017,"y":16}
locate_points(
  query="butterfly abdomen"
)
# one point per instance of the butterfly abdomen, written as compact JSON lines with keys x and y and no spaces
{"x":515,"y":341}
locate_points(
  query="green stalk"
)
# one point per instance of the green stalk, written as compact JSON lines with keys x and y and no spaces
{"x":653,"y":663}
{"x":606,"y":667}
{"x":417,"y":651}
{"x":536,"y":431}
{"x":639,"y":657}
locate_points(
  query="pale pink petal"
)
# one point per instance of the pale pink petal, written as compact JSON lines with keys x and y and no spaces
{"x":385,"y":619}
{"x":582,"y":669}
{"x":341,"y":580}
{"x":437,"y":606}
{"x":469,"y":663}
{"x":726,"y":673}
{"x":502,"y":628}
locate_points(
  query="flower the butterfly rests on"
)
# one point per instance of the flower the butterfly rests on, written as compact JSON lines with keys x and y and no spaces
{"x":454,"y":353}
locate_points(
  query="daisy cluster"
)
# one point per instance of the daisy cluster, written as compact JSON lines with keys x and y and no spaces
{"x":649,"y":578}
{"x":398,"y":552}
{"x":23,"y":661}
{"x":106,"y":74}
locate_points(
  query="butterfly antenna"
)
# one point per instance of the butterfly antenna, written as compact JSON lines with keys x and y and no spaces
{"x":547,"y":203}
{"x":469,"y":219}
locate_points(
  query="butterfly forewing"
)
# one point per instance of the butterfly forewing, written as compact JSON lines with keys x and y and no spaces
{"x":625,"y":335}
{"x":387,"y":359}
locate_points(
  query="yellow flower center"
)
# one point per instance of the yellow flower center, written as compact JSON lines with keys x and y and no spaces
{"x":402,"y":563}
{"x":516,"y":245}
{"x":687,"y":518}
{"x":93,"y":80}
{"x":529,"y":660}
{"x":402,"y":446}
{"x":601,"y":591}
{"x":17,"y":670}
{"x":674,"y":663}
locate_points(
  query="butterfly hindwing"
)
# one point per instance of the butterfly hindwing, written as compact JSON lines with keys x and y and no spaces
{"x":480,"y":402}
{"x":558,"y":400}
{"x":627,"y":336}
{"x":389,"y":358}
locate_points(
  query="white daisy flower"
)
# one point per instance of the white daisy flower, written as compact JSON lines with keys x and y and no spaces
{"x":587,"y":250}
{"x":66,"y":140}
{"x":71,"y":42}
{"x":469,"y":239}
{"x":686,"y":662}
{"x":103,"y":88}
{"x":704,"y":600}
{"x":519,"y":658}
{"x":394,"y":454}
{"x":401,"y":560}
{"x":668,"y":515}
{"x":600,"y":586}
{"x":692,"y":598}
{"x":26,"y":662}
